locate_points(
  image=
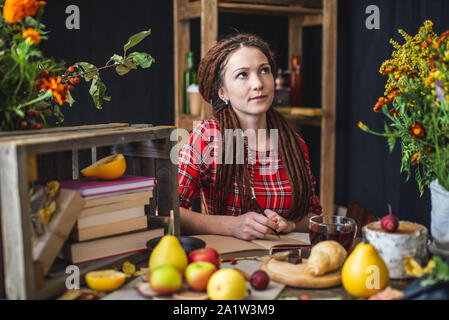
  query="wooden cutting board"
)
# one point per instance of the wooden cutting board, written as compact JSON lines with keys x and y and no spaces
{"x":295,"y":275}
{"x":144,"y":288}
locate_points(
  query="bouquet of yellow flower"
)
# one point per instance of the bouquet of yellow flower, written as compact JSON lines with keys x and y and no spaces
{"x":416,"y":104}
{"x":32,"y":87}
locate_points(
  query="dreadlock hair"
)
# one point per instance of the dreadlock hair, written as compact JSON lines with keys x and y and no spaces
{"x":210,"y":80}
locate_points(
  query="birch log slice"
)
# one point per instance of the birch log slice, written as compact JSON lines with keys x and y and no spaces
{"x":409,"y":239}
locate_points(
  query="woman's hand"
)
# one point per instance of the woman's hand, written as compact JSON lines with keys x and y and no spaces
{"x":282,"y":224}
{"x":252,"y":225}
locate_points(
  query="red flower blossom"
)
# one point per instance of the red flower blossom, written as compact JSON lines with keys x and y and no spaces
{"x":417,"y":130}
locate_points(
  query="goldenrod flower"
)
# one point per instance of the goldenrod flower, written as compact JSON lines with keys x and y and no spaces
{"x":16,"y":10}
{"x":417,"y":130}
{"x":32,"y":35}
{"x":58,"y":89}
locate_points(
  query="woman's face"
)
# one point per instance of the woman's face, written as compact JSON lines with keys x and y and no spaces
{"x":248,"y":83}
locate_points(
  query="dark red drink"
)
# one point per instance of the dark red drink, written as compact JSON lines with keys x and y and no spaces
{"x":340,"y":229}
{"x":346,"y":239}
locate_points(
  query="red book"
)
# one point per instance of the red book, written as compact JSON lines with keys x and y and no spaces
{"x":92,"y":187}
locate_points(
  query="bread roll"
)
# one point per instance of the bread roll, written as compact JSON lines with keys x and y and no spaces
{"x":326,"y":256}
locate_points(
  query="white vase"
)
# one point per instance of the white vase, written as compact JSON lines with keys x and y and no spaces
{"x":439,"y":223}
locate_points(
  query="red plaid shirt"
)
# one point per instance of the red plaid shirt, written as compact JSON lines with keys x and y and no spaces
{"x":197,"y":164}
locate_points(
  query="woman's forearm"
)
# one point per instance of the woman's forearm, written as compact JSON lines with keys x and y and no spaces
{"x":196,"y":223}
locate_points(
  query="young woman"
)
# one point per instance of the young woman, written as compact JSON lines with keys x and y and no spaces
{"x":237,"y":78}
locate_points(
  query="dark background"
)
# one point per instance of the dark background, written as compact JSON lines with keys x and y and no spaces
{"x":366,"y":173}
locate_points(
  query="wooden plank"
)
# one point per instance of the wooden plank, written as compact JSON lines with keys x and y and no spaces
{"x":239,"y":8}
{"x":329,"y":82}
{"x":209,"y":34}
{"x":73,"y":134}
{"x":181,"y":48}
{"x":305,"y":3}
{"x":7,"y":135}
{"x":299,"y":120}
{"x":16,"y":225}
{"x":189,"y":10}
{"x":167,"y":181}
{"x":158,"y":149}
{"x":300,"y":111}
{"x":294,"y":39}
{"x":2,"y":276}
{"x":55,"y":286}
{"x":312,"y":20}
{"x":83,"y":140}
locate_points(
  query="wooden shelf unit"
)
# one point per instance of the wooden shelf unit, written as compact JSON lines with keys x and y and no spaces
{"x":60,"y":154}
{"x":301,"y":13}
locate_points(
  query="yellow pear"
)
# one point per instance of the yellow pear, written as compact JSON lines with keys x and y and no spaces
{"x":364,"y":272}
{"x":168,"y":252}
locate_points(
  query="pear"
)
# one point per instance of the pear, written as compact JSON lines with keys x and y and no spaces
{"x":364,"y":272}
{"x":168,"y":252}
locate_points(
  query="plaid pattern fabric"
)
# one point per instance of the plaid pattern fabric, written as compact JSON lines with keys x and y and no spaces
{"x":197,"y":165}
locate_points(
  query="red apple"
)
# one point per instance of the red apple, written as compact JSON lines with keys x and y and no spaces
{"x":198,"y":273}
{"x":205,"y":254}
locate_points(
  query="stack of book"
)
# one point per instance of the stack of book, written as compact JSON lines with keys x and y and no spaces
{"x":113,"y":220}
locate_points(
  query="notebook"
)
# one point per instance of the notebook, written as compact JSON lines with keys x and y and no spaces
{"x":91,"y":186}
{"x":231,"y":247}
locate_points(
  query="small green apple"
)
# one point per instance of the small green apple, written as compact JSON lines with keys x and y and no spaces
{"x":166,"y":279}
{"x":198,"y":274}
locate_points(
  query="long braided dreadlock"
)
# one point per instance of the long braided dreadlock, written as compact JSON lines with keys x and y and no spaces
{"x":210,"y":80}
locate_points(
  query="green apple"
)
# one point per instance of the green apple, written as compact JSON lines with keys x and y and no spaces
{"x":226,"y":284}
{"x":198,"y":274}
{"x":166,"y":279}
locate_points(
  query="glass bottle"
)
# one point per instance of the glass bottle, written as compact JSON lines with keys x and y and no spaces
{"x":189,"y":78}
{"x":295,"y":82}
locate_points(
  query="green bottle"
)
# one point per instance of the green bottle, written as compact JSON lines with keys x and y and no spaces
{"x":189,"y":78}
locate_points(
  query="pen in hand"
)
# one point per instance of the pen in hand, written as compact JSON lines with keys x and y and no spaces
{"x":253,"y":197}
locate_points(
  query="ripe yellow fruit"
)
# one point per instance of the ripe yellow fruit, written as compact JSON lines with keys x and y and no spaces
{"x":364,"y":272}
{"x":226,"y":284}
{"x":168,"y":252}
{"x":105,"y":280}
{"x":108,"y":168}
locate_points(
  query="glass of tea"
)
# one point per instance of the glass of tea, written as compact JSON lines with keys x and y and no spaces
{"x":337,"y":228}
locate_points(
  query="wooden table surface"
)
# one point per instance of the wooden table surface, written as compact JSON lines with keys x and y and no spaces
{"x":336,"y":292}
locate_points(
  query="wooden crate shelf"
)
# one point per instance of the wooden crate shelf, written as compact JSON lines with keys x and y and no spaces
{"x":301,"y":13}
{"x":60,"y":153}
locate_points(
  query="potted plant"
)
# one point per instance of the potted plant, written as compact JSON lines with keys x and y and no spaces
{"x":32,"y":87}
{"x":416,"y":105}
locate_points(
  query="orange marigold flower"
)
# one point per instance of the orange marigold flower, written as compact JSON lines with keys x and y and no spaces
{"x":380,"y":103}
{"x":415,"y":158}
{"x":16,"y":10}
{"x":426,"y":43}
{"x":429,"y":81}
{"x":58,"y":89}
{"x":32,"y":35}
{"x":392,"y":94}
{"x":429,"y":151}
{"x":417,"y":130}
